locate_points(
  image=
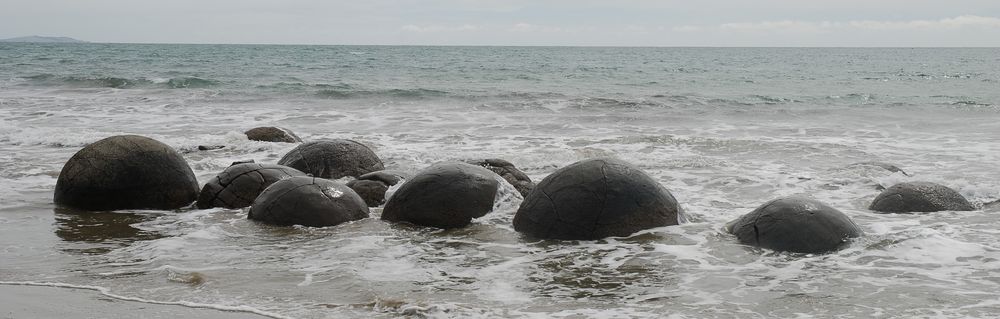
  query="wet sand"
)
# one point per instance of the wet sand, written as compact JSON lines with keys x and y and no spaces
{"x":39,"y":302}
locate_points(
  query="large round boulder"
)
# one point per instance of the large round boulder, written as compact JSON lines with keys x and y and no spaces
{"x":372,"y":186}
{"x":795,"y":224}
{"x":332,"y":159}
{"x":238,"y":185}
{"x":594,"y":199}
{"x":307,"y":201}
{"x":445,"y":195}
{"x":914,"y":197}
{"x":126,"y":172}
{"x":272,"y":134}
{"x":522,"y":183}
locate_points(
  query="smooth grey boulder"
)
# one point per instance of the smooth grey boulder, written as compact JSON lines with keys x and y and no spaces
{"x":445,"y":195}
{"x":594,"y":199}
{"x":307,"y":201}
{"x":795,"y":224}
{"x":522,"y":183}
{"x":372,"y":186}
{"x":913,"y":197}
{"x":126,"y":172}
{"x":272,"y":134}
{"x":332,"y":159}
{"x":238,"y":185}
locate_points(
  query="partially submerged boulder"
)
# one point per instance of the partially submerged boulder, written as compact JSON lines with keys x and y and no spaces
{"x":126,"y":172}
{"x":912,"y":197}
{"x":372,"y":186}
{"x":238,"y":185}
{"x":522,"y":183}
{"x":272,"y":134}
{"x":795,"y":224}
{"x":332,"y":159}
{"x":445,"y":195}
{"x":307,"y":201}
{"x":594,"y":199}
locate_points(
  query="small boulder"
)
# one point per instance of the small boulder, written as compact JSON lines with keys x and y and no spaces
{"x":126,"y":172}
{"x":238,"y":185}
{"x":332,"y":159}
{"x":307,"y":201}
{"x":522,"y":183}
{"x":795,"y":224}
{"x":921,"y":197}
{"x":445,"y":195}
{"x":372,"y":186}
{"x":594,"y":199}
{"x":272,"y":134}
{"x":210,"y":147}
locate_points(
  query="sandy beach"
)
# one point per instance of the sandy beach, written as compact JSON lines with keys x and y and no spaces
{"x":38,"y":302}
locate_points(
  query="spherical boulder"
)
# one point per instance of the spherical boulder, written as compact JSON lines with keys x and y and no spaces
{"x":307,"y":201}
{"x":795,"y":224}
{"x":594,"y":199}
{"x":332,"y":159}
{"x":126,"y":172}
{"x":922,"y":197}
{"x":445,"y":195}
{"x":522,"y":183}
{"x":238,"y":185}
{"x":272,"y":134}
{"x":372,"y":186}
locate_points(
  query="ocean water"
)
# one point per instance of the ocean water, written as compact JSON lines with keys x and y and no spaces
{"x":724,"y":129}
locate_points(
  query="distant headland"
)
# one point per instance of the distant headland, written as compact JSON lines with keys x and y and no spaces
{"x":40,"y":39}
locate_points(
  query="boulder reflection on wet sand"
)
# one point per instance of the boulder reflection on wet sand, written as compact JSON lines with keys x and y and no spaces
{"x":108,"y":229}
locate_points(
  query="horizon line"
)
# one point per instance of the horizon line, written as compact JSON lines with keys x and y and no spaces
{"x":526,"y":45}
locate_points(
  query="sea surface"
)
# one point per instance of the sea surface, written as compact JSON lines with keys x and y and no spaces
{"x":724,"y":129}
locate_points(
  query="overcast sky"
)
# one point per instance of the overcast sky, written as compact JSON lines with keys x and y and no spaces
{"x":514,"y":22}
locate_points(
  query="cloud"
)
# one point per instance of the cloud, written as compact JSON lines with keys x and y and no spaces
{"x":438,"y":28}
{"x":949,"y":23}
{"x":528,"y":27}
{"x":800,"y":26}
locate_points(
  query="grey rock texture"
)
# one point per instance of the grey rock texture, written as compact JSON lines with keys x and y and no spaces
{"x":594,"y":199}
{"x":307,"y":201}
{"x":522,"y":183}
{"x":913,"y":197}
{"x":238,"y":185}
{"x":445,"y":195}
{"x":332,"y":159}
{"x":795,"y":224}
{"x":372,"y":186}
{"x":272,"y":134}
{"x":126,"y":172}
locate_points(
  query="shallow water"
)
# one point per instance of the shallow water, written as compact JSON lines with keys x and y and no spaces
{"x":724,"y":129}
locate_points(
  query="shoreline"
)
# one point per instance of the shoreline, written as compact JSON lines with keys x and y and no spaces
{"x":56,"y":300}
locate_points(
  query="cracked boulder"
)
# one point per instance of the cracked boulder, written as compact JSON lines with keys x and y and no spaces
{"x":522,"y":183}
{"x":333,"y":159}
{"x":307,"y":201}
{"x":238,"y":185}
{"x":594,"y":199}
{"x":272,"y":134}
{"x":795,"y":224}
{"x":126,"y":172}
{"x":445,"y":195}
{"x":372,"y":186}
{"x":921,"y":197}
